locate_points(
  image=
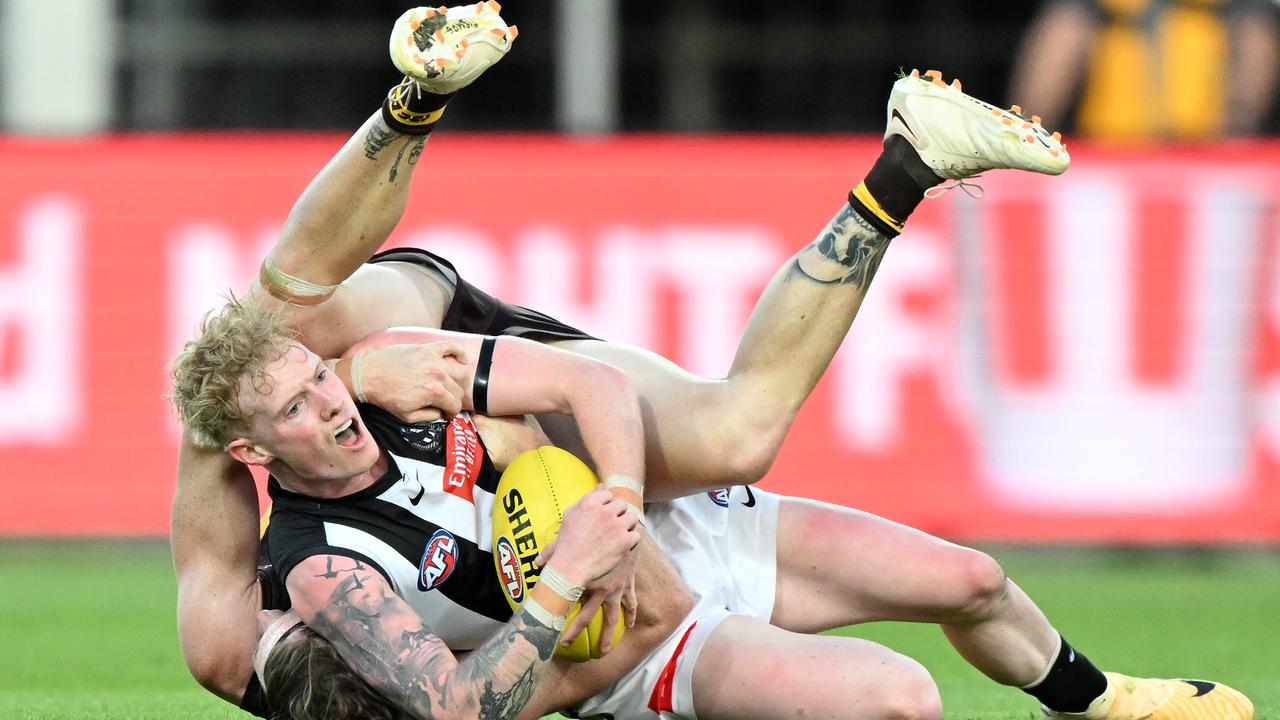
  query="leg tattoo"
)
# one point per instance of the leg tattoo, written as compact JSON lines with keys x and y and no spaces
{"x":847,"y":251}
{"x":377,"y":139}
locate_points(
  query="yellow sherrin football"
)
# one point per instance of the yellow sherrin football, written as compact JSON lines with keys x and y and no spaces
{"x":532,"y":496}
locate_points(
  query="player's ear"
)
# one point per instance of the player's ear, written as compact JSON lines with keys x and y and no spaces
{"x":245,"y":451}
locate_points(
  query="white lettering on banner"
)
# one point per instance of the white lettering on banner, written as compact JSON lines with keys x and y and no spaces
{"x":720,"y":270}
{"x":554,"y":275}
{"x":888,"y":343}
{"x":40,"y":314}
{"x":1092,"y":436}
{"x":206,"y":260}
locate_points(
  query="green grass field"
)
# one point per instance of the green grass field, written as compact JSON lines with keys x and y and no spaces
{"x":87,"y":628}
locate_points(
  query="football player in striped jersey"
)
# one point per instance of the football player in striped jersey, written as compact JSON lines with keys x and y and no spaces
{"x":699,"y":433}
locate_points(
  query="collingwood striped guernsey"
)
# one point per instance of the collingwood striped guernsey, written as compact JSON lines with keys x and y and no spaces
{"x":425,"y":525}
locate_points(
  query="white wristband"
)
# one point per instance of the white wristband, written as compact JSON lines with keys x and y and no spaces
{"x":625,"y":481}
{"x":357,"y":377}
{"x":544,"y":616}
{"x":638,"y":513}
{"x":559,"y":585}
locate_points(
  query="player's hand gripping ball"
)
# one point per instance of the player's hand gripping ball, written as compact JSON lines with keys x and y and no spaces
{"x":531,"y":499}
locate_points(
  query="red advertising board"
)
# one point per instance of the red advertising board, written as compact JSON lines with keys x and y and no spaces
{"x":1093,"y":357}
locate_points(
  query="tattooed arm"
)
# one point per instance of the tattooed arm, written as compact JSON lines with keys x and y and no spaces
{"x":384,"y":641}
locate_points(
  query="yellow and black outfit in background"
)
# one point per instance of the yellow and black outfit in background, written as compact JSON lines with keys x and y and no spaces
{"x":1159,"y":68}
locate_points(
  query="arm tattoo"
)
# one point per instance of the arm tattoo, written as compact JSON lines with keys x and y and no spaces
{"x":384,"y":641}
{"x":852,"y":250}
{"x":377,"y":139}
{"x":506,"y":670}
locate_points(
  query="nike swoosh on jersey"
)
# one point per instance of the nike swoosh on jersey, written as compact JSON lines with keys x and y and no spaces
{"x":751,"y":497}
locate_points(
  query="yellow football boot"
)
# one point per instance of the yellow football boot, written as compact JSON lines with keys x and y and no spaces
{"x":1129,"y":698}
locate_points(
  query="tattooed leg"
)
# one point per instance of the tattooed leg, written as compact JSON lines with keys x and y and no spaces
{"x":413,"y":146}
{"x":377,"y":139}
{"x":349,"y":210}
{"x":794,"y":332}
{"x":704,"y":433}
{"x":849,"y":250}
{"x":802,"y":318}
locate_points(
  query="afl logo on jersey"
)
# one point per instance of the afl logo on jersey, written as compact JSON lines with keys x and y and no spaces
{"x":720,"y":497}
{"x":509,"y":570}
{"x":438,"y":561}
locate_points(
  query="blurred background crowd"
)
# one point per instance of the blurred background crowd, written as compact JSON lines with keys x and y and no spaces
{"x":1118,"y":69}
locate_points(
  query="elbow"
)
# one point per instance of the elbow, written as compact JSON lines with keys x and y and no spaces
{"x":224,"y":679}
{"x":616,"y":383}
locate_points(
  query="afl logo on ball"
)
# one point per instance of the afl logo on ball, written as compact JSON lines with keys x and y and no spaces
{"x":720,"y":497}
{"x":509,"y":570}
{"x":438,"y":561}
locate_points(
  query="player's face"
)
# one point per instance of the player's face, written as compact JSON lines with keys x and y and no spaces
{"x":307,"y":424}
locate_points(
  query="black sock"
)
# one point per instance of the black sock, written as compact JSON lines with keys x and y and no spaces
{"x":1072,"y":683}
{"x":894,"y":187}
{"x":411,"y":110}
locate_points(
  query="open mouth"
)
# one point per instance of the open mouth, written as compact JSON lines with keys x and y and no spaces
{"x":348,"y":435}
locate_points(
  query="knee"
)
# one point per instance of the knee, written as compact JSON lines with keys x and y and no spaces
{"x":748,"y":447}
{"x":909,"y":694}
{"x":981,"y":585}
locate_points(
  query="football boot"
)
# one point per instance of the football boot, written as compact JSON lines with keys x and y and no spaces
{"x":1129,"y":698}
{"x":446,"y":49}
{"x":959,"y":136}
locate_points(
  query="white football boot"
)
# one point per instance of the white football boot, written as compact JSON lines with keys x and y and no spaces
{"x":959,"y":136}
{"x":446,"y":49}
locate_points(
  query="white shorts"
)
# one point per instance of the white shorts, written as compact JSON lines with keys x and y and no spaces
{"x":724,"y":545}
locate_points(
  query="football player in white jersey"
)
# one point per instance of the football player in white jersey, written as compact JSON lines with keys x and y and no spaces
{"x":747,"y":556}
{"x":700,"y":433}
{"x":316,"y":275}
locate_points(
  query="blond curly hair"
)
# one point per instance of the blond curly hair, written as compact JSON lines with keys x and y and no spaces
{"x":238,"y":341}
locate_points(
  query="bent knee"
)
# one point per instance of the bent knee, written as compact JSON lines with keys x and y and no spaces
{"x":981,"y":585}
{"x":746,"y":449}
{"x":908,"y":694}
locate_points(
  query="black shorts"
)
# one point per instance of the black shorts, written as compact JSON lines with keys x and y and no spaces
{"x":476,"y":311}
